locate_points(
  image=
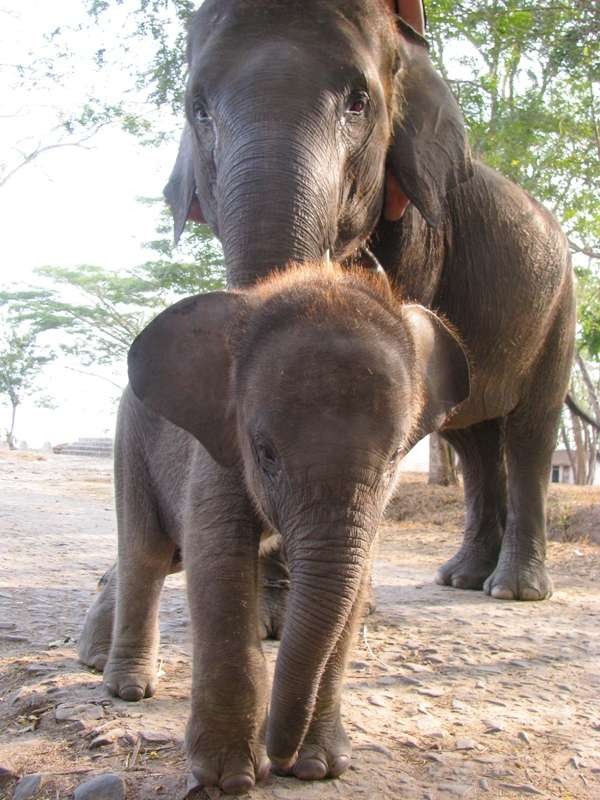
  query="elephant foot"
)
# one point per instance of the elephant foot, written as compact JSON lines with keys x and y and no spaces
{"x":131,"y":679}
{"x":95,"y":638}
{"x":514,"y":580}
{"x":234,"y":769}
{"x":325,"y":753}
{"x":468,"y":569}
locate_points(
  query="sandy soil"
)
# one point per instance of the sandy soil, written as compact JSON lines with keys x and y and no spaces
{"x":450,"y":694}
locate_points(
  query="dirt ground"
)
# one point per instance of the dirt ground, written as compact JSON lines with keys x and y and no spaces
{"x":450,"y":693}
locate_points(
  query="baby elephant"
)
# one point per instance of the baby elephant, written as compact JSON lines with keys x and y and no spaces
{"x":302,"y":395}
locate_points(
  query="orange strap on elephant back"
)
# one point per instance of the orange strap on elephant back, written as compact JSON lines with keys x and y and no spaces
{"x":411,"y":11}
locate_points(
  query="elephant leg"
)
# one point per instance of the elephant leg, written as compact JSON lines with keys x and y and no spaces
{"x":326,"y":750}
{"x":146,"y":555}
{"x":481,"y":452}
{"x":521,"y":572}
{"x":96,"y":636}
{"x":225,"y":733}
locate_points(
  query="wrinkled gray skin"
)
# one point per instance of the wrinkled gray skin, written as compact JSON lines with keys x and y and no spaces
{"x":304,"y":121}
{"x":302,"y":396}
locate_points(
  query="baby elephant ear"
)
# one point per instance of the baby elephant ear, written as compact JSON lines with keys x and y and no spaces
{"x":180,"y":191}
{"x":180,"y":367}
{"x":442,"y":364}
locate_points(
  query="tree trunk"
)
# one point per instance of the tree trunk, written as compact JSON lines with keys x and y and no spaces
{"x":442,"y":471}
{"x":10,"y":436}
{"x":580,"y":451}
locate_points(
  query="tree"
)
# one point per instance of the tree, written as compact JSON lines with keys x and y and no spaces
{"x":98,"y":312}
{"x":21,"y":361}
{"x":526,"y":75}
{"x":442,"y":469}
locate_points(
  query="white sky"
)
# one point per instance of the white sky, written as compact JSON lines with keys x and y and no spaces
{"x":73,"y":206}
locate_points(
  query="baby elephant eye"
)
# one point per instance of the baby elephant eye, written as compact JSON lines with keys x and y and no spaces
{"x":266,"y":458}
{"x":357,"y":103}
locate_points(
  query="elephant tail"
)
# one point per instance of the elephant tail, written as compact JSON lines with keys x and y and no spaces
{"x":576,"y":409}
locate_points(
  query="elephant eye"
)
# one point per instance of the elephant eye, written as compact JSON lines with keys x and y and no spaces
{"x":357,"y":103}
{"x":266,"y":457}
{"x":200,"y":112}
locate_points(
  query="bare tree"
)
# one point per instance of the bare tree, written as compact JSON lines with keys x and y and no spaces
{"x":442,"y":468}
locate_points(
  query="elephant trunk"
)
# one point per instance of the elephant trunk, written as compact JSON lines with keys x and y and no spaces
{"x":327,"y":571}
{"x":276,"y":206}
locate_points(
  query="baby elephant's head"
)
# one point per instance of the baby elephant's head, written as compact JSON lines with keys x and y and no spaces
{"x":315,"y":384}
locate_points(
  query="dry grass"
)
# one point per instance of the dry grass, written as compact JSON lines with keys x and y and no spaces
{"x":573,"y":511}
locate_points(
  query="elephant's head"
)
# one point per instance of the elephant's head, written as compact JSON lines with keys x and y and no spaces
{"x":304,"y":121}
{"x":313,"y":384}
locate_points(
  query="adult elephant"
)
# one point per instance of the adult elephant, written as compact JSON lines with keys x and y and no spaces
{"x":322,"y":125}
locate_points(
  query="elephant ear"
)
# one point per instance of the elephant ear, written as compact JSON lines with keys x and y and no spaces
{"x":180,"y":365}
{"x":442,"y":366}
{"x":180,"y":191}
{"x":429,"y":153}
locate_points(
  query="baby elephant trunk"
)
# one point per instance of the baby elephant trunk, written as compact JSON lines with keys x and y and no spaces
{"x":327,"y":568}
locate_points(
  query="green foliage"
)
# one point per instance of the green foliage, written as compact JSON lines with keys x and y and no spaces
{"x":98,"y":312}
{"x":21,"y":361}
{"x":527,"y":81}
{"x":588,"y":291}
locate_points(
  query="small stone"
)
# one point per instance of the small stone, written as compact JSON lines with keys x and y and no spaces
{"x":6,"y":774}
{"x":107,"y":737}
{"x":524,"y":737}
{"x":465,"y":744}
{"x":575,"y":762}
{"x":377,"y":700}
{"x":27,"y":787}
{"x":414,"y":667}
{"x":492,"y":726}
{"x":156,"y":737}
{"x":434,"y":692}
{"x":436,"y":757}
{"x":455,"y":789}
{"x":458,"y":705}
{"x":102,"y":787}
{"x":524,"y":788}
{"x":410,"y":741}
{"x":484,"y":784}
{"x":8,"y":626}
{"x":376,"y":748}
{"x":80,"y":713}
{"x":39,"y":669}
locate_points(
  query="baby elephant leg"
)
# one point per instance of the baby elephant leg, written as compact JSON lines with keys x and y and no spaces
{"x":96,"y":636}
{"x":225,"y":734}
{"x":146,"y":556}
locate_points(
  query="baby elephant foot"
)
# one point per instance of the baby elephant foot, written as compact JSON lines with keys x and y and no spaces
{"x":515,"y":580}
{"x":95,"y":638}
{"x":131,"y":678}
{"x":235,"y":769}
{"x":468,"y":569}
{"x":93,"y":648}
{"x":325,"y":753}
